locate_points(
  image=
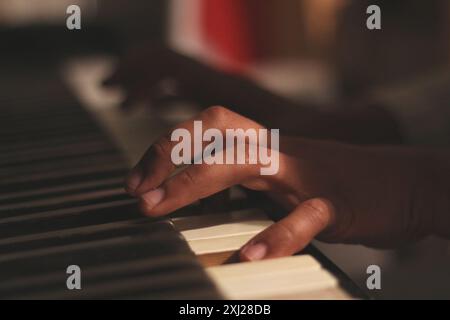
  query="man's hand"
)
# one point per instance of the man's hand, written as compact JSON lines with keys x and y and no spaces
{"x":145,"y":71}
{"x":376,"y":196}
{"x":157,"y":74}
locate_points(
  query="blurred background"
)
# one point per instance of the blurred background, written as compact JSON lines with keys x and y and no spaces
{"x":324,"y":38}
{"x":316,"y":51}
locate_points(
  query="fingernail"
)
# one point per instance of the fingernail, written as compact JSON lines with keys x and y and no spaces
{"x":153,"y":197}
{"x":133,"y":181}
{"x":255,"y":251}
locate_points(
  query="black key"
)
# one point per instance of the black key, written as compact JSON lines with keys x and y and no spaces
{"x":82,"y":176}
{"x":118,"y":210}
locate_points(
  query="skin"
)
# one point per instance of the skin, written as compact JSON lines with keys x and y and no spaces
{"x":379,"y":196}
{"x":142,"y":70}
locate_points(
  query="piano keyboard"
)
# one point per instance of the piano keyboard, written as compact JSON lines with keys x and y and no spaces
{"x":216,"y":238}
{"x":62,"y":203}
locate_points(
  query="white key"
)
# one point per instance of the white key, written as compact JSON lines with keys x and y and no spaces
{"x":215,"y":233}
{"x":270,"y":278}
{"x":270,"y":266}
{"x":226,"y":230}
{"x":208,"y":220}
{"x":216,"y":245}
{"x":273,"y":286}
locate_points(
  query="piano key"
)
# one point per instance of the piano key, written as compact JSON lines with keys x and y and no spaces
{"x":55,"y":152}
{"x":190,"y":283}
{"x":221,"y":233}
{"x":59,"y":190}
{"x":50,"y":203}
{"x":99,"y":252}
{"x":217,"y":245}
{"x":160,"y":276}
{"x":64,"y":237}
{"x":49,"y":166}
{"x":37,"y":178}
{"x":269,"y":278}
{"x":272,"y":285}
{"x":79,"y":236}
{"x":301,"y":262}
{"x":53,"y":123}
{"x":45,"y":133}
{"x":333,"y":293}
{"x":252,"y":226}
{"x":200,"y":221}
{"x":56,"y":141}
{"x":95,"y":274}
{"x":218,"y":258}
{"x":166,"y":272}
{"x":24,"y":185}
{"x":117,"y":210}
{"x":40,"y":117}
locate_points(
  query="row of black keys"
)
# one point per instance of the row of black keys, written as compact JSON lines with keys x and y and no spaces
{"x":62,"y":203}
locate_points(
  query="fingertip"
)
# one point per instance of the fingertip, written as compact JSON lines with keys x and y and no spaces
{"x":253,"y":252}
{"x":144,"y":208}
{"x":133,"y":181}
{"x":243,"y":257}
{"x":154,"y":197}
{"x":150,"y":200}
{"x":147,"y":209}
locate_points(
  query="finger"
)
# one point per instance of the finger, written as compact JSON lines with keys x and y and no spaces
{"x":120,"y":73}
{"x":143,"y":92}
{"x":131,"y":100}
{"x":194,"y":183}
{"x":216,"y":203}
{"x":112,"y":80}
{"x":138,"y":64}
{"x":292,"y":233}
{"x":129,"y":75}
{"x":157,"y":165}
{"x":136,"y":93}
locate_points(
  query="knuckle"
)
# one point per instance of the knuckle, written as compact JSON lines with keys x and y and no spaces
{"x":248,"y":153}
{"x":286,"y":233}
{"x":186,"y":178}
{"x":162,"y":147}
{"x":320,"y":211}
{"x":216,"y":113}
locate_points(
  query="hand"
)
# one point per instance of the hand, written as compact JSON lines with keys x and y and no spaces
{"x":145,"y":70}
{"x":157,"y":74}
{"x":376,"y":196}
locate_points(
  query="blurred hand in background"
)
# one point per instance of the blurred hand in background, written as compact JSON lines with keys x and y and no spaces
{"x":154,"y":74}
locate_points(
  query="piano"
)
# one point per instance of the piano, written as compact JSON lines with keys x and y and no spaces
{"x":65,"y":150}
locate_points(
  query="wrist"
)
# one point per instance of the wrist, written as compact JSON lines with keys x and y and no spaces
{"x":370,"y":124}
{"x":439,"y":177}
{"x":429,"y":193}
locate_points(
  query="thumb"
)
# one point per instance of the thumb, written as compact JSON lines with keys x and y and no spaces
{"x":292,"y":233}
